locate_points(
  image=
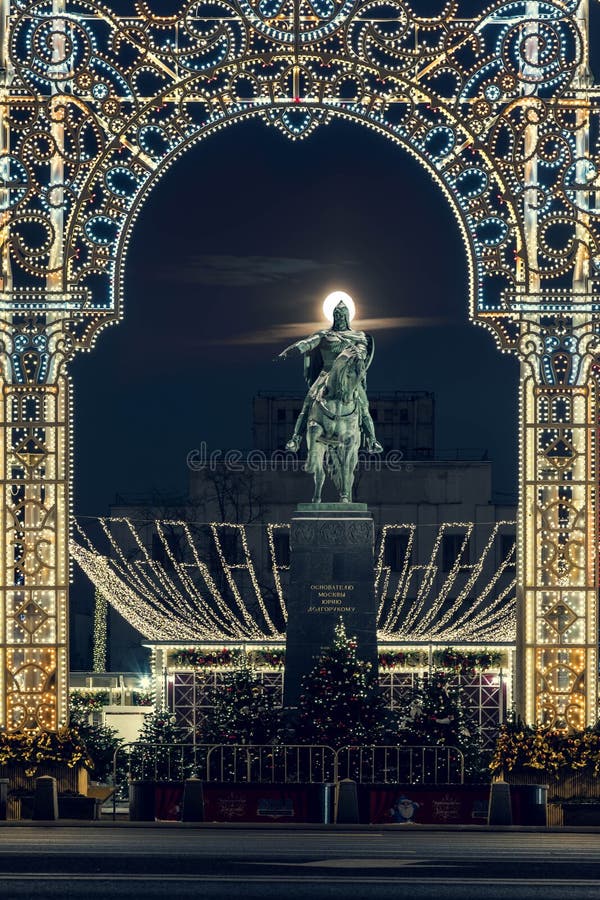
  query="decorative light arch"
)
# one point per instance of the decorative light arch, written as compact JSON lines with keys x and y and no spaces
{"x":475,"y":249}
{"x":499,"y":107}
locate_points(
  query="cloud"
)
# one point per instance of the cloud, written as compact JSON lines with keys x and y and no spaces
{"x":293,"y":330}
{"x":242,"y":271}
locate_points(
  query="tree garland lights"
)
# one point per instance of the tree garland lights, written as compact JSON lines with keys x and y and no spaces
{"x":481,"y":675}
{"x":100,"y":648}
{"x":239,"y":710}
{"x":101,"y":741}
{"x":435,"y":712}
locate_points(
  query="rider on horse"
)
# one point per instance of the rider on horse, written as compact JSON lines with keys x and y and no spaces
{"x":320,"y":351}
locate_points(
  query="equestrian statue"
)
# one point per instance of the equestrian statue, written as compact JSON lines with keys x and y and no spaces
{"x":335,"y":416}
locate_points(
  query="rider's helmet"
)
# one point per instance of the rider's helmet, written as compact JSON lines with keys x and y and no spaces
{"x":341,"y":316}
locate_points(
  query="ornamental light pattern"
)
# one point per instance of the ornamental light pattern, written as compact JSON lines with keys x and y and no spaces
{"x":500,"y":108}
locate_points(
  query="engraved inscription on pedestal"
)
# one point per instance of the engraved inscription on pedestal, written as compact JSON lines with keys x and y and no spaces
{"x":331,"y":577}
{"x":332,"y":598}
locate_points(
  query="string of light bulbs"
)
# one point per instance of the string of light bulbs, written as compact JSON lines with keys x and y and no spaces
{"x":163,"y":600}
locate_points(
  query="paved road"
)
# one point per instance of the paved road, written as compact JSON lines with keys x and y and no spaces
{"x":84,"y":863}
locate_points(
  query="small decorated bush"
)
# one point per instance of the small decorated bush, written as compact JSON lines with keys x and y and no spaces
{"x":34,"y":748}
{"x":536,"y":749}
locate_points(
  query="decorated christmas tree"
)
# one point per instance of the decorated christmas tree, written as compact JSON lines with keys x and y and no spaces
{"x":242,"y":711}
{"x":432,"y":712}
{"x":435,"y":714}
{"x":157,"y":755}
{"x":160,"y":727}
{"x":101,"y":742}
{"x":341,"y":703}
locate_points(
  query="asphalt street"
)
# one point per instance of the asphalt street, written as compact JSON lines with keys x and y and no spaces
{"x":77,"y":862}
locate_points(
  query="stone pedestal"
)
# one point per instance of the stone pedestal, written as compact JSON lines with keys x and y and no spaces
{"x":331,"y":577}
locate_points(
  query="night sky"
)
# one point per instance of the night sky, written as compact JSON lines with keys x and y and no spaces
{"x":243,"y":237}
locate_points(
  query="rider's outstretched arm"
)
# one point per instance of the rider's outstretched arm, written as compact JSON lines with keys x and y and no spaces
{"x":302,"y":346}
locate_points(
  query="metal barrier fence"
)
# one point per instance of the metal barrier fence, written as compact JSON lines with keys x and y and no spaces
{"x":274,"y":764}
{"x":140,"y":761}
{"x":401,"y":765}
{"x":287,"y":764}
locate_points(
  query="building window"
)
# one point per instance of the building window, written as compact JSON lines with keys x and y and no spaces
{"x":281,"y":415}
{"x":281,"y":543}
{"x":388,"y":414}
{"x":394,"y":551}
{"x":451,"y":544}
{"x":404,"y":415}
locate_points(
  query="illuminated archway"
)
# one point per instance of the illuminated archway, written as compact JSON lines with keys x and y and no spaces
{"x":496,"y":107}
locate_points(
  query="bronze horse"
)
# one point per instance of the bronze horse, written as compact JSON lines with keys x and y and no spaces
{"x":333,"y":435}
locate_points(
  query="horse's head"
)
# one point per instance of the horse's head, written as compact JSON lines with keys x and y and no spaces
{"x":346,"y":374}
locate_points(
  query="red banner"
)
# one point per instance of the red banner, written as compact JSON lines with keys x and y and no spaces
{"x":262,"y":803}
{"x":445,"y":805}
{"x":168,"y":800}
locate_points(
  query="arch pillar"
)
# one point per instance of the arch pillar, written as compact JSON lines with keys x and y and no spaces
{"x":35,"y":450}
{"x":557,"y":563}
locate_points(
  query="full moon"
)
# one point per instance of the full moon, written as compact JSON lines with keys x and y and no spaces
{"x":331,"y":301}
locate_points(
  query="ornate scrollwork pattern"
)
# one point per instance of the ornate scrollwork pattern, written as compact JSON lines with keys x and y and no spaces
{"x":497,"y":106}
{"x":108,"y":102}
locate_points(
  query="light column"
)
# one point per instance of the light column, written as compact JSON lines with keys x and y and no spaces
{"x":34,"y":553}
{"x":557,"y":629}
